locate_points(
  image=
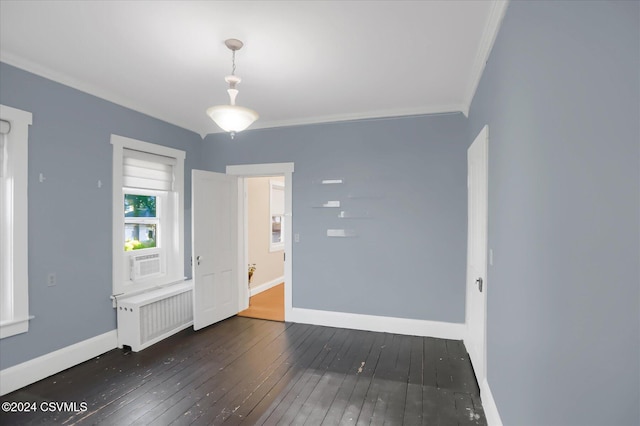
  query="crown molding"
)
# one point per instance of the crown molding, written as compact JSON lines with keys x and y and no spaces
{"x":371,"y":115}
{"x":64,"y":79}
{"x":496,"y":15}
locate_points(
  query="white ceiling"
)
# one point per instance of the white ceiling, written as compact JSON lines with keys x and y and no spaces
{"x":303,"y":61}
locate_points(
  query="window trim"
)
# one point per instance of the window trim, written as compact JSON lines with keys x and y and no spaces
{"x":15,"y":225}
{"x":174,"y":252}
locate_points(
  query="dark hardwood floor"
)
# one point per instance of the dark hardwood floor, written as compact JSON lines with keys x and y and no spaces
{"x":253,"y":372}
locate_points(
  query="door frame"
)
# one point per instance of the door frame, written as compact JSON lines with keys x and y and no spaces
{"x":243,"y":171}
{"x":480,"y":365}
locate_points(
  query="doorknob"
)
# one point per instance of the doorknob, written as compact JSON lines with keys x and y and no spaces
{"x":198,"y":260}
{"x":478,"y":281}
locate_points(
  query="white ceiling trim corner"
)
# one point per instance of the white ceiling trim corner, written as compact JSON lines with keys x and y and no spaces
{"x":496,"y":15}
{"x":373,"y":115}
{"x":66,"y":80}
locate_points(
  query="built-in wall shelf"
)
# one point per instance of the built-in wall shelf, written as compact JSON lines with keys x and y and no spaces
{"x":364,"y":196}
{"x":341,"y":233}
{"x":354,"y":215}
{"x":332,"y":181}
{"x":328,"y":181}
{"x":333,"y":204}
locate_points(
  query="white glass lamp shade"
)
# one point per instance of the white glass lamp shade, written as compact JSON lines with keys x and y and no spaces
{"x":232,"y":118}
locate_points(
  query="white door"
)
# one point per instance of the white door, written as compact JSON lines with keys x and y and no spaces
{"x":214,"y":202}
{"x":476,"y":312}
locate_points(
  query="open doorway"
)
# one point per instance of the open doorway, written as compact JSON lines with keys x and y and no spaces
{"x":244,"y":172}
{"x":265,"y":213}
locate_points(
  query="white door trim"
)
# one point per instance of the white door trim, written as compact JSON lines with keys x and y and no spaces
{"x":268,"y":169}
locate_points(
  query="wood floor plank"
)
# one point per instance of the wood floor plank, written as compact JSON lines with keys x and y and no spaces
{"x":155,"y":379}
{"x":396,"y":388}
{"x":268,"y":390}
{"x":255,"y":372}
{"x":413,"y":405}
{"x":249,"y":380}
{"x":444,"y":372}
{"x":317,"y":406}
{"x":385,"y":360}
{"x":392,"y":378}
{"x":283,"y":388}
{"x":162,"y":388}
{"x":462,"y":377}
{"x":208,"y":384}
{"x":465,"y":410}
{"x":413,"y":402}
{"x":364,"y":378}
{"x":416,"y":361}
{"x":429,"y":362}
{"x":439,"y":407}
{"x":116,"y":379}
{"x":169,"y":392}
{"x":312,"y":376}
{"x":357,"y":357}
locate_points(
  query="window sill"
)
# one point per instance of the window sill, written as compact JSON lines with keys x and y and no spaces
{"x":15,"y":326}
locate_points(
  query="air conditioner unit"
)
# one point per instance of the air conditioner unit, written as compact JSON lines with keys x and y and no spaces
{"x":144,"y":266}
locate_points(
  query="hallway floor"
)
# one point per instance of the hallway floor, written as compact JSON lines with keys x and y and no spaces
{"x":267,"y":305}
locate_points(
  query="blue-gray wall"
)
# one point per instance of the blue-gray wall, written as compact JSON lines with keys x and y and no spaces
{"x":69,"y":216}
{"x":561,"y":96}
{"x":409,"y":175}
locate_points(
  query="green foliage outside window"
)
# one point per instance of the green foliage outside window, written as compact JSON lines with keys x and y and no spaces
{"x":139,"y":235}
{"x":139,"y":205}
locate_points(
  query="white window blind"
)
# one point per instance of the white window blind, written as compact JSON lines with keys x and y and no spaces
{"x":147,"y":171}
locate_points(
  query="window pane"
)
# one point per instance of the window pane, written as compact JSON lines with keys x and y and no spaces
{"x":139,"y":236}
{"x":139,"y":205}
{"x":276,"y":229}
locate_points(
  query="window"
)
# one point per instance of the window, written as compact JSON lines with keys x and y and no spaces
{"x":148,"y":225}
{"x":141,"y":221}
{"x":14,"y":296}
{"x":276,"y":214}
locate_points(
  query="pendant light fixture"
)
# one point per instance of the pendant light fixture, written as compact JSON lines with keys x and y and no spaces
{"x":232,"y":118}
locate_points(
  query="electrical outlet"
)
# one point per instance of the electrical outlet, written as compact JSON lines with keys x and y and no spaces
{"x":296,"y":237}
{"x":51,"y":279}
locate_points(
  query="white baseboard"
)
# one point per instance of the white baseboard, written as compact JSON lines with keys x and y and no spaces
{"x":266,"y":286}
{"x":411,"y":327}
{"x":31,"y":371}
{"x":489,"y":405}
